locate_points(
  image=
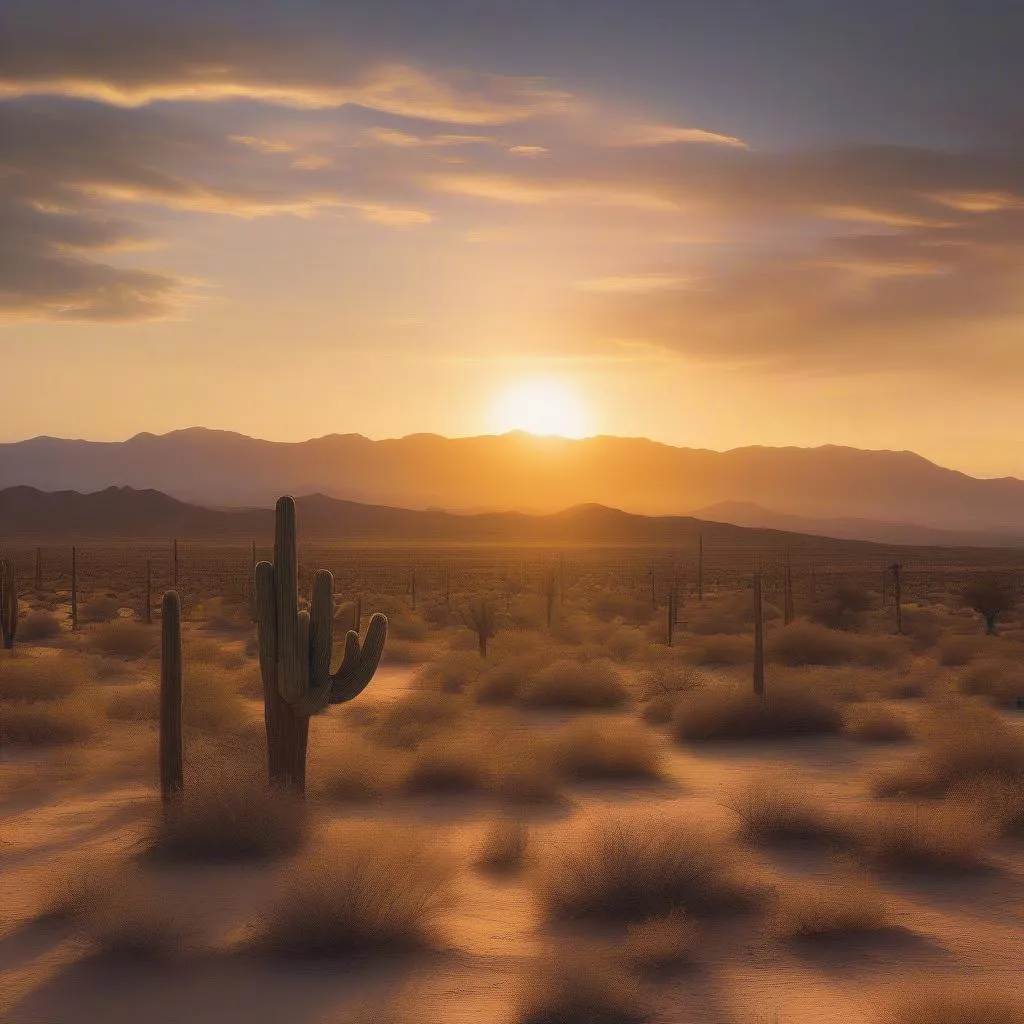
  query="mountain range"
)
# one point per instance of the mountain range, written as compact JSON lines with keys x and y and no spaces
{"x":889,"y":496}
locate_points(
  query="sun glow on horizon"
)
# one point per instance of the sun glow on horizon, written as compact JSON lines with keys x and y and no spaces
{"x":542,"y":406}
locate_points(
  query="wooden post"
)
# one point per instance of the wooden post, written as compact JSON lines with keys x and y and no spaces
{"x":174,"y":564}
{"x":700,"y":568}
{"x":789,"y":613}
{"x":171,"y":769}
{"x":147,"y":614}
{"x":758,"y":638}
{"x":670,"y":616}
{"x":897,"y":594}
{"x":74,"y":588}
{"x":39,"y":569}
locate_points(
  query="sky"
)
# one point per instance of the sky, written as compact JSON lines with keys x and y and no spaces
{"x":719,"y":223}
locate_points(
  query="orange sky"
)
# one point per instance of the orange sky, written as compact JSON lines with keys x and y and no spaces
{"x":293,"y":224}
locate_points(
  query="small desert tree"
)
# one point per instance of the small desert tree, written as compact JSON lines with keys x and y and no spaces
{"x":990,"y":598}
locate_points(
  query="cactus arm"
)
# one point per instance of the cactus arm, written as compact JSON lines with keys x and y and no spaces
{"x":320,"y":642}
{"x":8,"y":603}
{"x":291,"y":656}
{"x":360,"y":661}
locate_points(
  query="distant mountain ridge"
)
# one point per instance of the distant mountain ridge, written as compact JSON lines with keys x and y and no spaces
{"x":520,"y":471}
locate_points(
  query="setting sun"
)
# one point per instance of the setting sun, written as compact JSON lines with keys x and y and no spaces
{"x":545,"y":406}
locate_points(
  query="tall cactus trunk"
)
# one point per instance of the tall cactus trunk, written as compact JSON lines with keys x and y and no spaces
{"x":171,"y":767}
{"x":758,"y":638}
{"x":8,"y":603}
{"x":281,"y":658}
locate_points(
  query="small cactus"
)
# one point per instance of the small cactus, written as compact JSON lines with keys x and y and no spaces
{"x":295,"y":650}
{"x":8,"y":603}
{"x":171,"y":770}
{"x":481,"y":619}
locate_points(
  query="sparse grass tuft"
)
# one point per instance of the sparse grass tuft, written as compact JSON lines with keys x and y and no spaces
{"x":661,"y":943}
{"x":581,"y":986}
{"x":1000,"y":680}
{"x":504,"y":847}
{"x":350,"y":767}
{"x":639,"y":866}
{"x":54,"y":723}
{"x":840,"y":906}
{"x":39,"y":626}
{"x":369,"y":889}
{"x":35,"y":679}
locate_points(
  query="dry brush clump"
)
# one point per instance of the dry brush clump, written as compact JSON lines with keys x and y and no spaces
{"x":661,"y":943}
{"x":581,"y":985}
{"x":228,"y":812}
{"x":632,"y":867}
{"x":504,"y":847}
{"x":351,"y":767}
{"x":1000,"y":680}
{"x":805,"y":643}
{"x":874,"y":722}
{"x":962,"y":746}
{"x":23,"y":677}
{"x":606,"y":750}
{"x":945,"y":835}
{"x":736,"y":713}
{"x":775,"y":808}
{"x":123,"y":638}
{"x":39,"y":626}
{"x":844,"y":905}
{"x":569,"y":684}
{"x":52,"y":723}
{"x":366,"y":890}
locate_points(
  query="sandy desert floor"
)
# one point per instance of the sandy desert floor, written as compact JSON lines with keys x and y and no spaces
{"x":81,"y":809}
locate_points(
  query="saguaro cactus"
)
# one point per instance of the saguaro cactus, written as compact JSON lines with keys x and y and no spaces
{"x":171,"y":769}
{"x":295,"y":650}
{"x":480,"y":618}
{"x":8,"y":603}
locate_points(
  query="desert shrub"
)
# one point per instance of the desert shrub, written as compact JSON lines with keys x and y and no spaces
{"x":571,"y":629}
{"x":956,"y":651}
{"x":734,"y":713}
{"x":349,"y":767}
{"x":450,"y":762}
{"x":942,"y":835}
{"x":990,"y":598}
{"x":999,"y":799}
{"x":229,"y":812}
{"x":609,"y":606}
{"x":956,"y":1002}
{"x":660,"y":943}
{"x":581,"y":986}
{"x":962,"y":747}
{"x":873,"y":722}
{"x":720,"y":650}
{"x":38,"y":626}
{"x":55,"y":723}
{"x":501,"y":683}
{"x":845,"y":905}
{"x":999,"y":680}
{"x":776,"y":808}
{"x":452,"y":671}
{"x":407,"y":627}
{"x":403,"y":652}
{"x":504,"y":846}
{"x":413,"y":718}
{"x":805,"y":643}
{"x":206,"y":652}
{"x":619,"y":750}
{"x":638,"y":866}
{"x":124,"y":639}
{"x":139,"y":703}
{"x":99,"y":609}
{"x":30,"y":678}
{"x":574,"y":684}
{"x":842,"y":607}
{"x":528,"y":611}
{"x":368,"y":889}
{"x":620,"y":643}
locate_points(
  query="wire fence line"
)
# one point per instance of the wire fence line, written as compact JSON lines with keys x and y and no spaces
{"x":417,"y":573}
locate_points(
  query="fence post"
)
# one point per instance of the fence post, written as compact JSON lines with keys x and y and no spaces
{"x":700,"y":568}
{"x":897,"y":594}
{"x":789,"y":613}
{"x":39,"y":569}
{"x":74,"y":587}
{"x":758,"y":637}
{"x":147,"y":614}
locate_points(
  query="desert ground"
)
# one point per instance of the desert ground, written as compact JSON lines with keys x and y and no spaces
{"x":587,"y":825}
